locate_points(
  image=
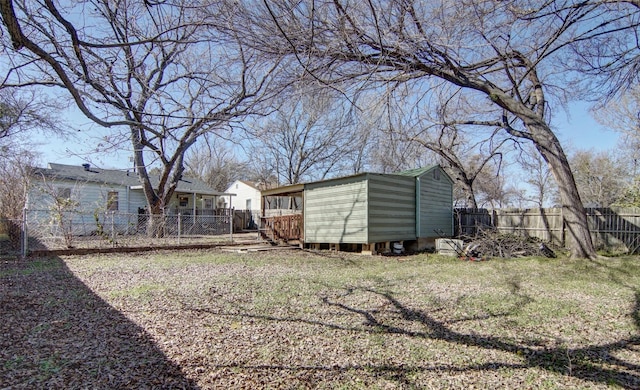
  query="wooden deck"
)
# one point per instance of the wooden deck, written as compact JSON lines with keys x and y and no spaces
{"x":283,"y":228}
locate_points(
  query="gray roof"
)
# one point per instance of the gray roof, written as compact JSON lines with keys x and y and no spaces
{"x":126,"y":178}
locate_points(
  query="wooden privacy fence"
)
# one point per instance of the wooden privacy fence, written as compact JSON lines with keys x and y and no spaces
{"x":611,"y":227}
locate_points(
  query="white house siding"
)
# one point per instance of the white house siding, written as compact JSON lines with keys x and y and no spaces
{"x":392,"y":208}
{"x":243,"y":192}
{"x":336,"y":211}
{"x":91,"y":201}
{"x":91,"y":197}
{"x":136,"y":200}
{"x":436,"y":204}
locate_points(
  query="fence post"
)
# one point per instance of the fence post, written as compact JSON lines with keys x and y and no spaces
{"x":179,"y":226}
{"x":24,"y":245}
{"x":231,"y":215}
{"x":113,"y":229}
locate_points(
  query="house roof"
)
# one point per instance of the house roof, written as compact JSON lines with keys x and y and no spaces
{"x":246,"y":183}
{"x":252,"y":185}
{"x":126,"y":178}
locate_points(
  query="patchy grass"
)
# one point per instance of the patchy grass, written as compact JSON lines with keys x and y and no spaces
{"x":208,"y":319}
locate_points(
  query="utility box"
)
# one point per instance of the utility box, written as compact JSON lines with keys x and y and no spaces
{"x":449,"y":246}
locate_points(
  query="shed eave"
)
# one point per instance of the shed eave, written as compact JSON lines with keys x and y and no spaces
{"x":284,"y":190}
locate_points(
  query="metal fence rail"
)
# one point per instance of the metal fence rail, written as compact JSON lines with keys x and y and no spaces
{"x":46,"y":229}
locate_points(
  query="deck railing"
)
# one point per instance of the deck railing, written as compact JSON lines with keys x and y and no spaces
{"x":283,"y":227}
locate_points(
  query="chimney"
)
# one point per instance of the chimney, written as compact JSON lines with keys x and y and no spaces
{"x":87,"y":167}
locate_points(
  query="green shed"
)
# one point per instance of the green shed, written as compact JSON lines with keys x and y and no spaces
{"x":367,"y":211}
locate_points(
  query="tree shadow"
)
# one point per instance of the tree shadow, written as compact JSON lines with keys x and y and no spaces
{"x":587,"y":363}
{"x":57,"y":333}
{"x":596,"y":363}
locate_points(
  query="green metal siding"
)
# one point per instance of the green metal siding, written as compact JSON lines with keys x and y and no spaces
{"x":336,"y":211}
{"x":436,"y":204}
{"x":368,"y":208}
{"x":392,"y":208}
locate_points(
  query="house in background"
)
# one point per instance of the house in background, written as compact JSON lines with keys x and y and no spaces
{"x":367,"y":212}
{"x":90,"y":190}
{"x":244,"y":196}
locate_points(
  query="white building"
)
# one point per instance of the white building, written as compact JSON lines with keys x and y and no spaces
{"x":247,"y":196}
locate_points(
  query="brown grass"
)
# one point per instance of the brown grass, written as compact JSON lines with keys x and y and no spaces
{"x":304,"y":320}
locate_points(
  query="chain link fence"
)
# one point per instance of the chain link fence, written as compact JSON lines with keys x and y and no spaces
{"x":50,"y":230}
{"x":10,"y":236}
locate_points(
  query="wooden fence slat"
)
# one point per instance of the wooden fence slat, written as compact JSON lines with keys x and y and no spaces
{"x":611,"y":228}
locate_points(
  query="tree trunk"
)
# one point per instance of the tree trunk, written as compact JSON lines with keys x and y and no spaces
{"x":156,"y":222}
{"x":467,"y":188}
{"x":578,"y":238}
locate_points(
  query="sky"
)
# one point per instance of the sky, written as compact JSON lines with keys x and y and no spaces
{"x":577,"y":130}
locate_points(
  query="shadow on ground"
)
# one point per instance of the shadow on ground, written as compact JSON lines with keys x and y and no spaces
{"x":603,"y":365}
{"x":594,"y":363}
{"x":56,"y":333}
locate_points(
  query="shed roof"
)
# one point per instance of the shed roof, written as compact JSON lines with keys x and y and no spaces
{"x":126,"y":178}
{"x":284,"y":190}
{"x":417,"y":172}
{"x":295,"y":188}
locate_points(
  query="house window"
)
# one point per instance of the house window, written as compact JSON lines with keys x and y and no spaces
{"x":248,"y":204}
{"x":63,"y":193}
{"x":183,"y":200}
{"x":112,"y":200}
{"x":436,"y":174}
{"x":208,"y":203}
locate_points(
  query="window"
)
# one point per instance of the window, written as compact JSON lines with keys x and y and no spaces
{"x":112,"y":200}
{"x":208,"y":203}
{"x":436,"y":174}
{"x":248,"y":204}
{"x":63,"y":193}
{"x":183,"y":200}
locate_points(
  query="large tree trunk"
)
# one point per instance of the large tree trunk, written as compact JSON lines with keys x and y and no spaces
{"x":578,"y":238}
{"x":466,"y":185}
{"x":156,"y":223}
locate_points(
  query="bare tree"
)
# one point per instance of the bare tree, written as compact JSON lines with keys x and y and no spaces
{"x":433,"y":127}
{"x":601,"y":178}
{"x":306,"y":138}
{"x":459,"y":158}
{"x":537,"y":176}
{"x":622,"y":115}
{"x":25,"y":112}
{"x":608,"y":51}
{"x":14,"y":181}
{"x":63,"y":203}
{"x":494,"y":50}
{"x":162,"y":73}
{"x":214,"y":162}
